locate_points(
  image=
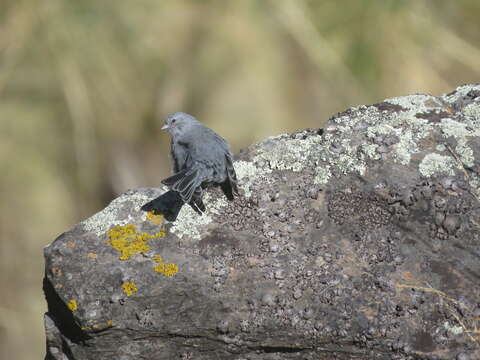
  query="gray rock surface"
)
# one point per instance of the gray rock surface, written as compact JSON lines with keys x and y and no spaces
{"x":357,"y":241}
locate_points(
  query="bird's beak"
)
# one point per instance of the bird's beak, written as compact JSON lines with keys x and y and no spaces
{"x":165,"y":127}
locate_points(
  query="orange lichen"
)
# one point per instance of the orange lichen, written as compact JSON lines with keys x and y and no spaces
{"x":129,"y":288}
{"x":92,"y":255}
{"x":164,"y":268}
{"x":128,"y":242}
{"x":407,"y":275}
{"x":96,"y":327}
{"x":71,"y":243}
{"x":154,"y":219}
{"x":72,"y":305}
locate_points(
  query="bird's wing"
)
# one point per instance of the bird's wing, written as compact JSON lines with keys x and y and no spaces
{"x":180,"y":155}
{"x":172,"y":180}
{"x":185,"y":182}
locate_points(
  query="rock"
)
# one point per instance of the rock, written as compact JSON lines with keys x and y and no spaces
{"x":359,"y":240}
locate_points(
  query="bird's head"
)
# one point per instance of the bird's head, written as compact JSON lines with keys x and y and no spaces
{"x":177,"y":123}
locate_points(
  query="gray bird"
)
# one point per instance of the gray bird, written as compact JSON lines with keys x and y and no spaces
{"x":201,"y":158}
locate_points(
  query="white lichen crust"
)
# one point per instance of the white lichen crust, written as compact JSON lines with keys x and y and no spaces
{"x":128,"y":204}
{"x":436,"y":164}
{"x":189,"y":222}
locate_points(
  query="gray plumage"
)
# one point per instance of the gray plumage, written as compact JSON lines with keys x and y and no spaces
{"x":201,"y":158}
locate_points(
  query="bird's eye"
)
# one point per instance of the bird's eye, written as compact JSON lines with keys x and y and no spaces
{"x":173,"y":121}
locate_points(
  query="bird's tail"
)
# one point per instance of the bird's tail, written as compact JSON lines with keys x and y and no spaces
{"x":168,"y":204}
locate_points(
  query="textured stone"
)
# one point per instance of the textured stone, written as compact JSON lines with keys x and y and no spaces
{"x":357,"y":241}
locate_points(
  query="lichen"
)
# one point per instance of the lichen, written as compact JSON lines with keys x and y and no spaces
{"x":129,"y":288}
{"x":472,"y":115}
{"x":440,"y":147}
{"x":248,"y":173}
{"x":460,"y":92}
{"x":288,"y":154}
{"x":97,"y":327}
{"x":371,"y":151}
{"x":189,"y":222}
{"x":72,"y":305}
{"x":322,"y":176}
{"x":460,"y":132}
{"x":128,"y":242}
{"x":167,"y":269}
{"x":154,"y":219}
{"x":405,"y":148}
{"x":417,"y":102}
{"x":456,"y":330}
{"x":435,"y":164}
{"x":121,"y":211}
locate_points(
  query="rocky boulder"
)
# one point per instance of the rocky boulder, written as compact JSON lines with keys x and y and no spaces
{"x":360,"y":240}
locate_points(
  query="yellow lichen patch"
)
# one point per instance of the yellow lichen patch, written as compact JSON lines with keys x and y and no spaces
{"x":72,"y":305}
{"x":128,"y":242}
{"x":163,"y":268}
{"x":129,"y":288}
{"x":154,"y":219}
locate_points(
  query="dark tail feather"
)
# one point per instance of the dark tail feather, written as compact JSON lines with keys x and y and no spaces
{"x":168,"y":205}
{"x":197,"y":202}
{"x":230,"y":188}
{"x":227,"y":189}
{"x":198,"y":206}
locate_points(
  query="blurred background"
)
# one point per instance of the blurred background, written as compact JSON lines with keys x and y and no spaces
{"x":85,"y":84}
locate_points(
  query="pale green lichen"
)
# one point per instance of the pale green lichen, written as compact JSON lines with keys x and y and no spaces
{"x":323,"y":175}
{"x":460,"y":92}
{"x":435,"y":164}
{"x":381,"y":129}
{"x":460,"y":132}
{"x":121,"y":211}
{"x":472,"y":115}
{"x":417,"y":102}
{"x":405,"y":126}
{"x":189,"y":223}
{"x":288,"y":154}
{"x":371,"y":151}
{"x":475,"y":185}
{"x":440,"y":147}
{"x":405,"y":148}
{"x":456,"y":330}
{"x":247,"y":174}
